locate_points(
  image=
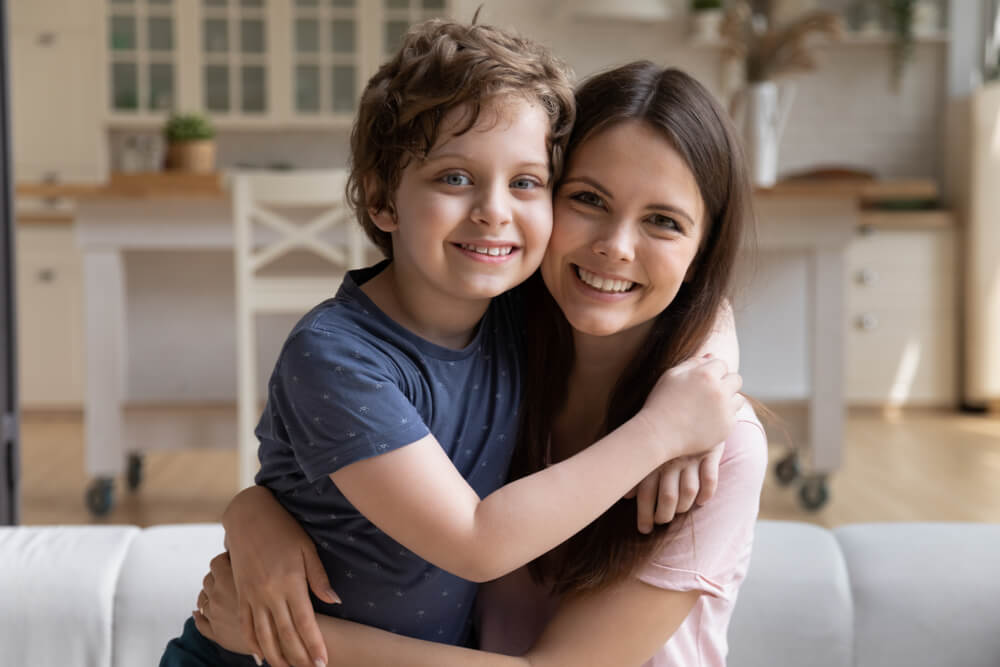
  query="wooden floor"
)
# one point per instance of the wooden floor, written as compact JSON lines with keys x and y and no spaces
{"x":926,"y":466}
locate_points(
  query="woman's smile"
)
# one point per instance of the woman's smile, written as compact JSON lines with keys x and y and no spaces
{"x":628,"y":223}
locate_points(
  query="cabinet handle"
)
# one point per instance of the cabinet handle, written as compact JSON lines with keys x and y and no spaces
{"x":866,"y":277}
{"x":46,"y":38}
{"x":866,"y":322}
{"x":46,"y":276}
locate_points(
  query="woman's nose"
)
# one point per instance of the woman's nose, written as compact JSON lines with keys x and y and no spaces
{"x":616,"y":242}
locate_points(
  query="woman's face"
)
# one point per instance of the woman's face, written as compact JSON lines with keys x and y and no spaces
{"x":629,"y":218}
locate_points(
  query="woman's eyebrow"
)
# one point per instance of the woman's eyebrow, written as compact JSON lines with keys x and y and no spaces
{"x":592,"y":183}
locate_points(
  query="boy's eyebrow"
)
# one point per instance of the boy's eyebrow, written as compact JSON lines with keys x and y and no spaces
{"x":670,"y":208}
{"x":463,"y":156}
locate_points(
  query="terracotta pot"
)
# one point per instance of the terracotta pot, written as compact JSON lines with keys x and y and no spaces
{"x":193,"y":156}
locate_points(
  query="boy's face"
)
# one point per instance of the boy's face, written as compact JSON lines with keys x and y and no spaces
{"x":472,"y":220}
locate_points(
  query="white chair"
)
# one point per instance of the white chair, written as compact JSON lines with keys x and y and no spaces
{"x":265,"y":232}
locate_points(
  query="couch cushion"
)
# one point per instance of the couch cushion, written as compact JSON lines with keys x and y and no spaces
{"x":58,"y":586}
{"x":158,"y":588}
{"x":925,"y":594}
{"x":795,"y":602}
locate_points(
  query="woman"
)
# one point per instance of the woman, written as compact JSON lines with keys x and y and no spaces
{"x":648,"y":220}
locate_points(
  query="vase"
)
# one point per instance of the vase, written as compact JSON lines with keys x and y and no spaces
{"x":761,"y":111}
{"x":706,"y":26}
{"x":193,"y":156}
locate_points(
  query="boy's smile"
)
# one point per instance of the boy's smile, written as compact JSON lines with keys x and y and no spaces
{"x":471,"y":220}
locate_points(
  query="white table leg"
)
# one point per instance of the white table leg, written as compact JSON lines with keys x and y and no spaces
{"x":105,"y":345}
{"x":826,"y":404}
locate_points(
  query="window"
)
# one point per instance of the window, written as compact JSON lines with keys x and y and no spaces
{"x":326,"y":60}
{"x":234,"y":56}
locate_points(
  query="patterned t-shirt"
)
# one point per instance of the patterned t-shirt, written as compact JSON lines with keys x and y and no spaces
{"x":349,"y":384}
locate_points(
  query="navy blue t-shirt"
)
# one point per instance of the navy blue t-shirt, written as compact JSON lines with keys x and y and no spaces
{"x":349,"y":384}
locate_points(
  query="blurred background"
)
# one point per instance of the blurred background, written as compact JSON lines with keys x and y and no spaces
{"x":868,"y":309}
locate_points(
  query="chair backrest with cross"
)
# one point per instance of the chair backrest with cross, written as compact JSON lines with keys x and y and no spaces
{"x":284,"y":216}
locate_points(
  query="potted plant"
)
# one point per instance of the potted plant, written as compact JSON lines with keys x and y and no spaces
{"x":190,"y":143}
{"x":706,"y":19}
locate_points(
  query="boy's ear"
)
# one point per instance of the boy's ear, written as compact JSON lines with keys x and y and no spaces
{"x":385,"y":217}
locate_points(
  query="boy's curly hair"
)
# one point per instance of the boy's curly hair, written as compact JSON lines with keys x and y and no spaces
{"x":443,"y":65}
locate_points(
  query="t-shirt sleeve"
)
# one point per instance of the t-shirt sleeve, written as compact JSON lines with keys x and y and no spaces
{"x":708,"y":549}
{"x":335,"y":400}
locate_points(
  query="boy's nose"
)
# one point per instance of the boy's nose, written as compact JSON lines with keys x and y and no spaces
{"x":616,"y":242}
{"x":493,"y":207}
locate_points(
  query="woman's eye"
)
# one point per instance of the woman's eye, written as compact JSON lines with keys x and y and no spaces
{"x":524,"y":183}
{"x":456,"y":179}
{"x":664,"y":222}
{"x":587,"y":197}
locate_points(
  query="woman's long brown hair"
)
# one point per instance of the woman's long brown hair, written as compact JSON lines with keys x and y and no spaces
{"x":673,"y":103}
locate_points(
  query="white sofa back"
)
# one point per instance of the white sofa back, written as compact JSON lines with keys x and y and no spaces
{"x":873,"y":595}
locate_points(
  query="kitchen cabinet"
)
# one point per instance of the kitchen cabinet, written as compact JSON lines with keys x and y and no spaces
{"x":251,"y":63}
{"x":50,"y":316}
{"x":56,"y":129}
{"x":902,"y":345}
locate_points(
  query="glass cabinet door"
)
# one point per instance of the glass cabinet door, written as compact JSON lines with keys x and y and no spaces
{"x":325,"y":56}
{"x":141,"y":41}
{"x":399,"y":15}
{"x":234,"y":56}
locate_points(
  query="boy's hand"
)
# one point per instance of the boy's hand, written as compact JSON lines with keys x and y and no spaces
{"x":274,"y":563}
{"x":693,"y":407}
{"x":675,"y":488}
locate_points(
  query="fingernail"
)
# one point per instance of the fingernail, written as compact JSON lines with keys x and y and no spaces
{"x":336,"y":599}
{"x":319,"y":663}
{"x":708,"y":355}
{"x":256,"y":658}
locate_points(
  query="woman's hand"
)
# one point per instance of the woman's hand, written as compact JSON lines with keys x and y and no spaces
{"x":274,"y":563}
{"x":675,"y":488}
{"x":218,"y":613}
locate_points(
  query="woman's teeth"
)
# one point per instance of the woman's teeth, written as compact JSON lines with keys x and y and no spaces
{"x":604,"y":284}
{"x":492,"y":252}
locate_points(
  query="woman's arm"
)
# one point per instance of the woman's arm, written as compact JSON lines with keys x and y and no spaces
{"x":623,"y":624}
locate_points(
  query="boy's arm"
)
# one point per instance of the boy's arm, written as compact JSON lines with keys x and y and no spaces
{"x":417,"y":496}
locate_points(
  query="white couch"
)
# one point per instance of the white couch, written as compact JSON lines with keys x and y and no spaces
{"x":872,"y":595}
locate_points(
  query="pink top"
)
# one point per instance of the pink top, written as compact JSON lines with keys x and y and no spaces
{"x":707,"y":550}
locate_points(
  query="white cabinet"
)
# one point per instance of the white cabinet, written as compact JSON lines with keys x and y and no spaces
{"x":250,"y":63}
{"x":902,"y":309}
{"x":56,"y":128}
{"x":49,"y":316}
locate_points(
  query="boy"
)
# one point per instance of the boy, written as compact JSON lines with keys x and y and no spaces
{"x":392,"y":409}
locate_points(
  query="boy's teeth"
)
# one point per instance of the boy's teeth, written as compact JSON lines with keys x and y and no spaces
{"x":603,"y":284}
{"x":493,"y":252}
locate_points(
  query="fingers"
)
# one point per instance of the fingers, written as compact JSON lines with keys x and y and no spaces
{"x":667,"y":495}
{"x":739,"y":400}
{"x":248,"y":632}
{"x":202,"y":623}
{"x":306,"y":627}
{"x":646,"y":502}
{"x":292,"y":647}
{"x":732,"y":382}
{"x":631,"y":493}
{"x":316,"y":576}
{"x":268,"y":639}
{"x":709,"y":474}
{"x":689,"y":485}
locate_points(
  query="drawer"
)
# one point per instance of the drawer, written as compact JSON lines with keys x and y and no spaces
{"x":903,"y":250}
{"x":902,"y":357}
{"x":50,"y":318}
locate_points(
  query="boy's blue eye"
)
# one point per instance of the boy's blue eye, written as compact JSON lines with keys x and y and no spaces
{"x":456,"y":179}
{"x":524,"y":183}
